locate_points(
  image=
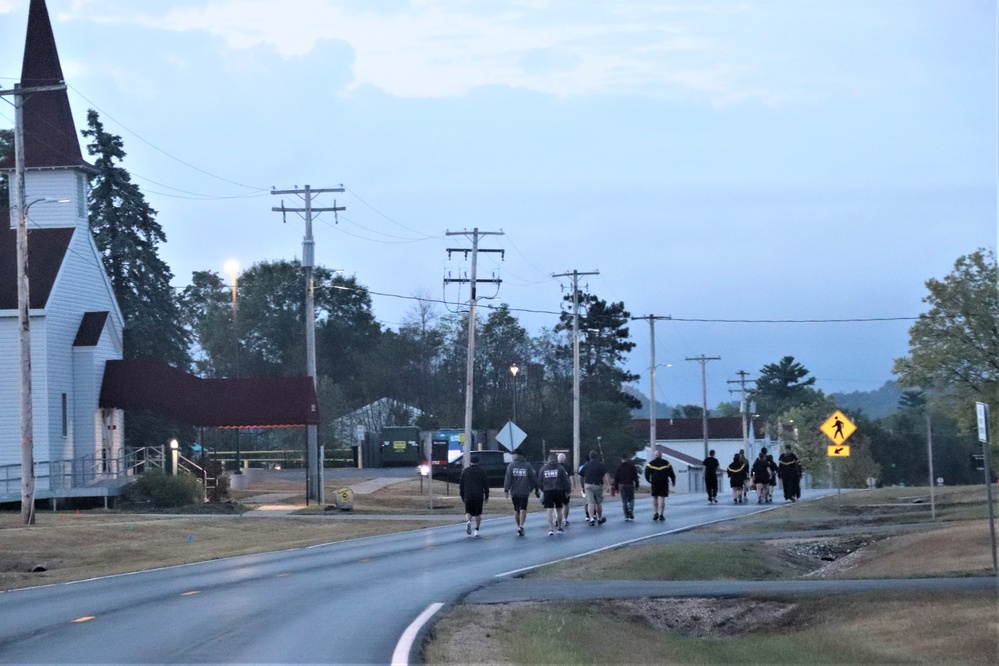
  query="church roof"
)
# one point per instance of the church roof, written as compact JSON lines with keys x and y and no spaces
{"x":50,"y":136}
{"x":91,"y":327}
{"x":46,"y":250}
{"x":245,"y":402}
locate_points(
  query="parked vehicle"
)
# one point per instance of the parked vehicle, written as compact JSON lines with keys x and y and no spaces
{"x":493,"y":462}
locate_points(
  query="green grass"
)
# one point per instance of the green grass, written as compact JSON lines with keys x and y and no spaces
{"x":859,"y":629}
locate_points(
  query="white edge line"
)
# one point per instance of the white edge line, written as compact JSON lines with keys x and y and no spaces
{"x":624,"y":543}
{"x":401,"y":655}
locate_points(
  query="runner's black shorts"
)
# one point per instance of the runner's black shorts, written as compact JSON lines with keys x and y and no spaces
{"x":473,"y":506}
{"x":552,"y":499}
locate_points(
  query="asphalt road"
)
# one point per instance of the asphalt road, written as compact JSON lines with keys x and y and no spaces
{"x":347,"y":602}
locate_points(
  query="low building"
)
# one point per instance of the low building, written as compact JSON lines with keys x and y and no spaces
{"x":682,"y":442}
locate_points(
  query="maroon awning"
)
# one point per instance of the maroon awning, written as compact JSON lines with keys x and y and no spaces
{"x":247,"y":402}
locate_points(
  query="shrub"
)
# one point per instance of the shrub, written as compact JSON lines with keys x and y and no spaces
{"x":165,"y":491}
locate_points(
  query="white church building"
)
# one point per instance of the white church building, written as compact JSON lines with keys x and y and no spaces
{"x":75,"y":323}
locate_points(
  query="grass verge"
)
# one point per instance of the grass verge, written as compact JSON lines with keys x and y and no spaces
{"x":953,"y":628}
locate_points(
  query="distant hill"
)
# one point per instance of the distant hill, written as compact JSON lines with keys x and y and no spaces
{"x":875,"y":404}
{"x":663,"y":411}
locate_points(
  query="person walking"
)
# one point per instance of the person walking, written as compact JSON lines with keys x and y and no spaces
{"x":711,"y":466}
{"x":555,"y":485}
{"x":660,"y":474}
{"x":760,"y":475}
{"x":737,"y":475}
{"x":773,"y":477}
{"x":745,"y":486}
{"x":788,"y":466}
{"x":572,"y":488}
{"x":592,"y":475}
{"x":626,"y":481}
{"x":473,"y":487}
{"x":518,"y":484}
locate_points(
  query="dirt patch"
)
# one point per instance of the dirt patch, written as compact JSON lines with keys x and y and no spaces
{"x":488,"y":628}
{"x":700,"y":617}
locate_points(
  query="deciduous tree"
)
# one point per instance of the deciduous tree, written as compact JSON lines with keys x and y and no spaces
{"x":954,"y":347}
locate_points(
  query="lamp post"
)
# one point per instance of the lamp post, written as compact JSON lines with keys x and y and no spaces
{"x":174,"y":454}
{"x":232,"y":267}
{"x":513,"y":371}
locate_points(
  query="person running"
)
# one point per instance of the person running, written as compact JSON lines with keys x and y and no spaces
{"x":473,"y":487}
{"x":659,"y":473}
{"x":592,"y":474}
{"x":626,"y":481}
{"x":519,"y":483}
{"x":572,"y":487}
{"x":760,"y":475}
{"x":711,"y":466}
{"x":737,"y":475}
{"x":555,"y":484}
{"x":787,"y":467}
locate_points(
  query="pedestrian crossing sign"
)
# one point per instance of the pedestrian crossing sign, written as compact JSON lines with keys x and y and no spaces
{"x":838,"y":428}
{"x":838,"y":451}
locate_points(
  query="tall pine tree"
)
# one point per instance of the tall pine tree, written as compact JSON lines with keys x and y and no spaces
{"x":128,"y":238}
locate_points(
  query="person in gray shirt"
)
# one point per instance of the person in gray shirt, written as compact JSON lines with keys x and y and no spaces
{"x":518,"y":484}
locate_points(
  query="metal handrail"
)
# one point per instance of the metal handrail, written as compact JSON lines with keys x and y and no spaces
{"x":88,"y":470}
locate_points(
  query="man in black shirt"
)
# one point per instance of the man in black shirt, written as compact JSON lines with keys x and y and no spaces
{"x":592,"y":475}
{"x":711,"y":466}
{"x":473,"y":487}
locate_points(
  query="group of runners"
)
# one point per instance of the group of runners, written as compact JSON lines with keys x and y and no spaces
{"x":761,"y":476}
{"x":555,"y":483}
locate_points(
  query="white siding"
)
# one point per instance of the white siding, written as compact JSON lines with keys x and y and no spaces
{"x":55,"y":184}
{"x":81,"y":286}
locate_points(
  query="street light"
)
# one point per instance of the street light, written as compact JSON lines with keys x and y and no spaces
{"x":232,"y":267}
{"x":174,"y":453}
{"x":24,"y":326}
{"x":513,"y":371}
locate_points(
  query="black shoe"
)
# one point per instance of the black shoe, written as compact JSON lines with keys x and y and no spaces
{"x":601,"y":520}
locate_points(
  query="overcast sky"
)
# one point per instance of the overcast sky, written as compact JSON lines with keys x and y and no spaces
{"x":715,"y":161}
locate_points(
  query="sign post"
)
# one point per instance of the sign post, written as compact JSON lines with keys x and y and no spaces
{"x":982,"y":412}
{"x":838,"y":428}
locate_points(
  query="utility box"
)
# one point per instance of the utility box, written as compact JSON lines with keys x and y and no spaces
{"x":400,"y":446}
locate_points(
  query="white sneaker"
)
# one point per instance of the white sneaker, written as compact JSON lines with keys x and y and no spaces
{"x":468,"y":527}
{"x":476,"y":535}
{"x":551,"y":533}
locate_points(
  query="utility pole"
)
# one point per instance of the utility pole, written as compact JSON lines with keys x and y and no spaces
{"x":473,"y":281}
{"x":652,"y":378}
{"x":575,"y":275}
{"x":314,"y":453}
{"x":743,"y":408}
{"x":704,"y":394}
{"x":24,"y":302}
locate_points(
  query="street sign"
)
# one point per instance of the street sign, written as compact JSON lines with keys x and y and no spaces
{"x":838,"y":428}
{"x":838,"y":451}
{"x":511,"y":436}
{"x":982,"y":411}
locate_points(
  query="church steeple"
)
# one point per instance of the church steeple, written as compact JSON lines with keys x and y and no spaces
{"x":50,"y":137}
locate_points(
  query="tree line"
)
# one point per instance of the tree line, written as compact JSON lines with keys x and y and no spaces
{"x":953,"y":360}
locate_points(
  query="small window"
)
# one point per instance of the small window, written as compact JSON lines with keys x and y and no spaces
{"x":81,"y":196}
{"x":65,"y":415}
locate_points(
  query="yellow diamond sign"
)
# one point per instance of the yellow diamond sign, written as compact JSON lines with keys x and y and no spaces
{"x":838,"y":428}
